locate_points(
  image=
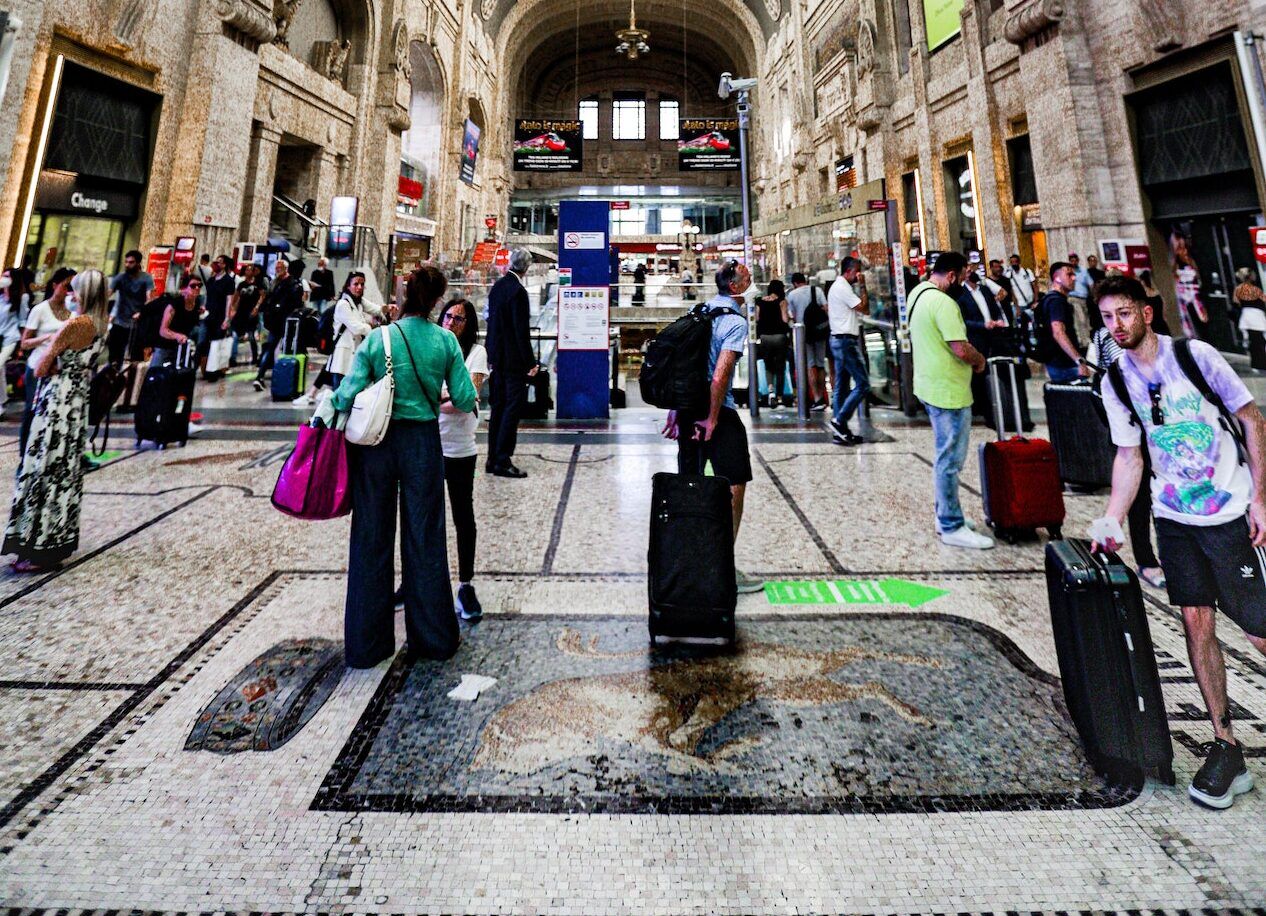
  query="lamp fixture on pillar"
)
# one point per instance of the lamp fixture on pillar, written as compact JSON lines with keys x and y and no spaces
{"x":632,"y":40}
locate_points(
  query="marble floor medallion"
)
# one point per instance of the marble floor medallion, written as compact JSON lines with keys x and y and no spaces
{"x":270,"y":699}
{"x":866,"y":713}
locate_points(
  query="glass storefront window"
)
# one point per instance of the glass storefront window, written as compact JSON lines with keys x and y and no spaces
{"x":80,"y":242}
{"x":960,"y":205}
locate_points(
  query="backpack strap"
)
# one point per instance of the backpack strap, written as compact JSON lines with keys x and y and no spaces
{"x":910,"y":306}
{"x":1116,"y":378}
{"x":1230,"y":422}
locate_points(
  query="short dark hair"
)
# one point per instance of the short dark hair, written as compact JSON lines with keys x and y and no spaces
{"x":848,"y":262}
{"x":189,"y":277}
{"x":948,"y":261}
{"x":993,"y":261}
{"x":798,"y":277}
{"x":423,"y":289}
{"x":297,"y":268}
{"x":206,"y":257}
{"x":727,"y":275}
{"x":1057,"y":267}
{"x":1016,"y":255}
{"x":134,"y":254}
{"x":60,"y":275}
{"x":1121,"y":285}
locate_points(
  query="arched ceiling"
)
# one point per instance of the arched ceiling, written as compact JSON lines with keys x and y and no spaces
{"x":768,"y":13}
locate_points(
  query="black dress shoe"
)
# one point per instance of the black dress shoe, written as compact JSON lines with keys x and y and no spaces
{"x":509,"y":470}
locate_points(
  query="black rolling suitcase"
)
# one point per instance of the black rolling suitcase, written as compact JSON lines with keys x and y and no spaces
{"x":1008,"y":396}
{"x":1079,"y":432}
{"x":162,"y":410}
{"x":539,"y":402}
{"x":690,"y":562}
{"x":1107,"y":662}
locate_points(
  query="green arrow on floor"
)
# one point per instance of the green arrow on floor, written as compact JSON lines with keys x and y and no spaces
{"x":852,"y":591}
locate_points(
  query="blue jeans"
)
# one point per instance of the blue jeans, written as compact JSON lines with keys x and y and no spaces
{"x":847,"y":355}
{"x":951,"y":428}
{"x":1062,"y":376}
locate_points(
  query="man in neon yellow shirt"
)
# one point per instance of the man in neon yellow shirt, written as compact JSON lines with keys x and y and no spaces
{"x":943,"y":365}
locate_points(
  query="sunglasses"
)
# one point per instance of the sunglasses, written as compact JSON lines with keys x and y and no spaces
{"x":454,"y":318}
{"x":195,"y":286}
{"x":1158,"y":415}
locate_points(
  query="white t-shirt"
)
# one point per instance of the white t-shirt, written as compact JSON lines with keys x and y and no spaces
{"x":1199,"y":479}
{"x":840,"y":300}
{"x":457,"y":430}
{"x":1021,"y":284}
{"x":42,"y":321}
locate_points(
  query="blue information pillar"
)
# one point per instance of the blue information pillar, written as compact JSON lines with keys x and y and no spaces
{"x":584,"y":375}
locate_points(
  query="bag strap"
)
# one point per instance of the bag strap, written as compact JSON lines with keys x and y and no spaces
{"x":910,"y":307}
{"x":412,"y":365}
{"x":1230,"y":422}
{"x":1116,"y":378}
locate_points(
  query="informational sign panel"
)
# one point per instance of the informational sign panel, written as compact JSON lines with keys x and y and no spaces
{"x":942,"y":18}
{"x":409,"y":255}
{"x":548,"y":146}
{"x":182,"y":257}
{"x":584,"y":241}
{"x":484,"y":253}
{"x":584,"y":318}
{"x":470,"y":152}
{"x":708,"y":145}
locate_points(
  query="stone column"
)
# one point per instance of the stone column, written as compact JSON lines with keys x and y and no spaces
{"x":261,"y":171}
{"x":993,"y":195}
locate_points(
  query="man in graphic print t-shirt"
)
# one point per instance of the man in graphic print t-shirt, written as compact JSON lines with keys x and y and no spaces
{"x":1208,"y":498}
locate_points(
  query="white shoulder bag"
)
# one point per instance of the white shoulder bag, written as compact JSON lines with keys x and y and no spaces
{"x":371,"y":412}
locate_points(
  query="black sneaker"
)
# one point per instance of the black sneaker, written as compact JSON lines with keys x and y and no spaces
{"x":258,"y":385}
{"x":1222,"y":777}
{"x":818,"y":405}
{"x":468,"y":606}
{"x":840,"y":429}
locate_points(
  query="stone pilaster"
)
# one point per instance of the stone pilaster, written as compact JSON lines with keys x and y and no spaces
{"x":261,"y":170}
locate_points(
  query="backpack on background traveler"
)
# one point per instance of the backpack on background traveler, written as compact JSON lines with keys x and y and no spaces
{"x":327,"y":336}
{"x":674,"y":373}
{"x":151,"y":320}
{"x":817,"y":324}
{"x":1045,"y":349}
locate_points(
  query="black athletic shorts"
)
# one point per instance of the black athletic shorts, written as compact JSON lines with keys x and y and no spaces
{"x":1215,"y":566}
{"x":727,"y":449}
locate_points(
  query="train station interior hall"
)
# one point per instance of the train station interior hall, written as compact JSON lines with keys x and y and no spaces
{"x":272,"y":644}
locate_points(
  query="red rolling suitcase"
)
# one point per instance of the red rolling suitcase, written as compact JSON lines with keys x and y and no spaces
{"x":1019,"y":477}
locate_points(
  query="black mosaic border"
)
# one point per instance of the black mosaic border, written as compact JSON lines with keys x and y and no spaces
{"x":335,"y":792}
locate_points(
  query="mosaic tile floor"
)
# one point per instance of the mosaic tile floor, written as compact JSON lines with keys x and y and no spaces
{"x":930,"y":770}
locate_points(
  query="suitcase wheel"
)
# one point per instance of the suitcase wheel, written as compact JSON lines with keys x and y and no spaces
{"x":1056,"y":533}
{"x":1006,"y":535}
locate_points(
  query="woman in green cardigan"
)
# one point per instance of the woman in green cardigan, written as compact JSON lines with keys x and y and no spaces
{"x":407,"y":462}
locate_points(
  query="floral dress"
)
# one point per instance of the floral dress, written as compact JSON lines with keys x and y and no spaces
{"x":44,"y":520}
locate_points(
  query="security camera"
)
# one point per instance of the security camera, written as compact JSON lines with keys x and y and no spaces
{"x":729,"y":84}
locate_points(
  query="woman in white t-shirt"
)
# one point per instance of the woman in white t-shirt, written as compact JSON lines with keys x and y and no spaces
{"x":457,"y":438}
{"x":42,"y":324}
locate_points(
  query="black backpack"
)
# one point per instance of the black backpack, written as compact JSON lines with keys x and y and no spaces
{"x":675,"y":371}
{"x":1045,"y":349}
{"x":151,"y":320}
{"x":817,"y":324}
{"x":326,"y":337}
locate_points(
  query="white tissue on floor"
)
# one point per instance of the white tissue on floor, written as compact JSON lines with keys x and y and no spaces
{"x":471,"y":686}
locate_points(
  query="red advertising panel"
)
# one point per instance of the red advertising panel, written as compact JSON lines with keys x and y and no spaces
{"x":484,"y":253}
{"x":157,"y":266}
{"x":1258,"y":236}
{"x":502,"y":259}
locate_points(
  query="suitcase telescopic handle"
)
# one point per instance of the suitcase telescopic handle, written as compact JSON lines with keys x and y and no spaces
{"x":993,"y":363}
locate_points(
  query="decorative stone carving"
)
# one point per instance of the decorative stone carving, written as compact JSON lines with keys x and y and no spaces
{"x":335,"y":63}
{"x":283,"y":14}
{"x":247,"y":19}
{"x":486,"y":7}
{"x":774,"y":8}
{"x":400,"y":48}
{"x":398,"y":119}
{"x":129,"y":18}
{"x":1033,"y":19}
{"x":865,"y":47}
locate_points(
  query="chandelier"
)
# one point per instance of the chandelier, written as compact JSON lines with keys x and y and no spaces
{"x":632,"y":40}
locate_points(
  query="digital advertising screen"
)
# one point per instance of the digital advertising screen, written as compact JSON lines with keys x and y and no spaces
{"x":548,"y":146}
{"x":708,"y":145}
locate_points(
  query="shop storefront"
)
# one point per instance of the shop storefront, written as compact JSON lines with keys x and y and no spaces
{"x":1197,"y":175}
{"x":90,"y":186}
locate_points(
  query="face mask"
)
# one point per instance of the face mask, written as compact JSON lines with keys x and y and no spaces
{"x":6,"y":282}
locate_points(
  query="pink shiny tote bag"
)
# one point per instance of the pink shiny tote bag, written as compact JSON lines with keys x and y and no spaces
{"x":314,"y":483}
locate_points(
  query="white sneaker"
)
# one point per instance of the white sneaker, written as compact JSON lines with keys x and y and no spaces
{"x":965,"y":537}
{"x":303,"y":401}
{"x":195,"y":428}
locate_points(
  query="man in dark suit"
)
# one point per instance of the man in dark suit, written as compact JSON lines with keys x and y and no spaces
{"x":511,"y":362}
{"x":991,"y":330}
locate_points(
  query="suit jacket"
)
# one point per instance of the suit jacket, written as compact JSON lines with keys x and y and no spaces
{"x":509,"y":327}
{"x":980,"y":337}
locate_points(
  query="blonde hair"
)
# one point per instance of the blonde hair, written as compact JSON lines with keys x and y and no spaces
{"x":94,"y":299}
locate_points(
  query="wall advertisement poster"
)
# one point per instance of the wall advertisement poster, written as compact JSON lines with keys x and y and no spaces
{"x":470,"y":152}
{"x":943,"y":21}
{"x":548,"y":146}
{"x":708,"y":145}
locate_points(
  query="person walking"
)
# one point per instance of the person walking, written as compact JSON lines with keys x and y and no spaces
{"x":720,"y":437}
{"x":244,"y":311}
{"x":804,"y":299}
{"x":322,"y":281}
{"x":511,"y":362}
{"x":1178,"y":409}
{"x":354,"y":319}
{"x":639,"y":284}
{"x":180,"y":318}
{"x":461,"y":454}
{"x":1058,"y":345}
{"x":1252,"y":305}
{"x":845,"y":308}
{"x":132,"y":288}
{"x":43,"y":527}
{"x":42,"y":324}
{"x":280,"y":302}
{"x":405,"y":469}
{"x":15,"y":305}
{"x":944,"y":361}
{"x":773,"y":329}
{"x":219,"y":289}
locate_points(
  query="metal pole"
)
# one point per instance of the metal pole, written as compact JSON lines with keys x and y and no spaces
{"x":1254,"y":89}
{"x":800,"y":351}
{"x":744,"y":119}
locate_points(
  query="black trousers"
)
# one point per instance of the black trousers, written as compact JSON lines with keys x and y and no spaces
{"x":1257,"y":349}
{"x":407,"y":466}
{"x":459,"y":476}
{"x":507,"y":393}
{"x":116,"y":344}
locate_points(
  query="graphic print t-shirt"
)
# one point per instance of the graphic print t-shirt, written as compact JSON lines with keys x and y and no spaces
{"x":1199,"y":479}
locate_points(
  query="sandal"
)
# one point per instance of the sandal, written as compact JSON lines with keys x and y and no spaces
{"x":1153,"y":576}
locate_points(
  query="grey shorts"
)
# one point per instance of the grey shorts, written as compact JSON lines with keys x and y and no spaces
{"x":817,"y":354}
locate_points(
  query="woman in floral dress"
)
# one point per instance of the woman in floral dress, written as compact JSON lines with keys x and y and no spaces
{"x":43,"y":524}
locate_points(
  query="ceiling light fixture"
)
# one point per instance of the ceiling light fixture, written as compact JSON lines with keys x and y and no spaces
{"x":632,"y":40}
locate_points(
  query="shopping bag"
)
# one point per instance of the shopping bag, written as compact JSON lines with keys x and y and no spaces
{"x":313,"y":483}
{"x":218,"y":355}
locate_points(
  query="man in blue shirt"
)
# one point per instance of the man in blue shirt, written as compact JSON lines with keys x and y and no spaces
{"x":721,"y":437}
{"x":1079,"y":296}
